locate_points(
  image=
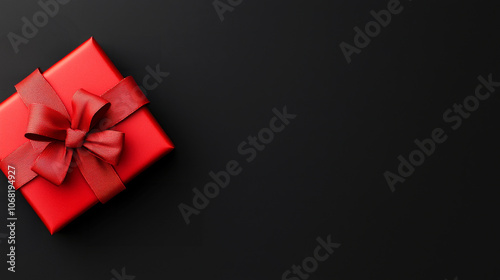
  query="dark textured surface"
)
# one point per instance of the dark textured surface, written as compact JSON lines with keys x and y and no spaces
{"x":322,"y":175}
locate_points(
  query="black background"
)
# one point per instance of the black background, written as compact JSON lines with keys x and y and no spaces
{"x":323,"y":175}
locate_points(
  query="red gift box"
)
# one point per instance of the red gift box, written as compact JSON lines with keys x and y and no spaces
{"x":88,"y":68}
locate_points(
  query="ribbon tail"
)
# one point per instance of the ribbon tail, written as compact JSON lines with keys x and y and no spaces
{"x":101,"y":176}
{"x":53,"y":163}
{"x":106,"y":145}
{"x":21,"y":159}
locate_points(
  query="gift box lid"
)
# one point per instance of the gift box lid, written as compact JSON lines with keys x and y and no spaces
{"x":86,"y":67}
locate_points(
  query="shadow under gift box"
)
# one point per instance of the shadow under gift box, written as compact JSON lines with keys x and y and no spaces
{"x":89,"y":68}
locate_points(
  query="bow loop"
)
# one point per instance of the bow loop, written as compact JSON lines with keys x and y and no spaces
{"x":88,"y":109}
{"x":45,"y":123}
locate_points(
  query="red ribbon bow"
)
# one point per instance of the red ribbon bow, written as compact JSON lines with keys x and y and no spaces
{"x":67,"y":137}
{"x":58,"y":138}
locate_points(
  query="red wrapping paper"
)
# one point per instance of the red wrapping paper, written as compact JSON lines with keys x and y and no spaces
{"x":89,"y":68}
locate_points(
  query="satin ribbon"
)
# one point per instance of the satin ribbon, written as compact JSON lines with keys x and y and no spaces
{"x":57,"y":138}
